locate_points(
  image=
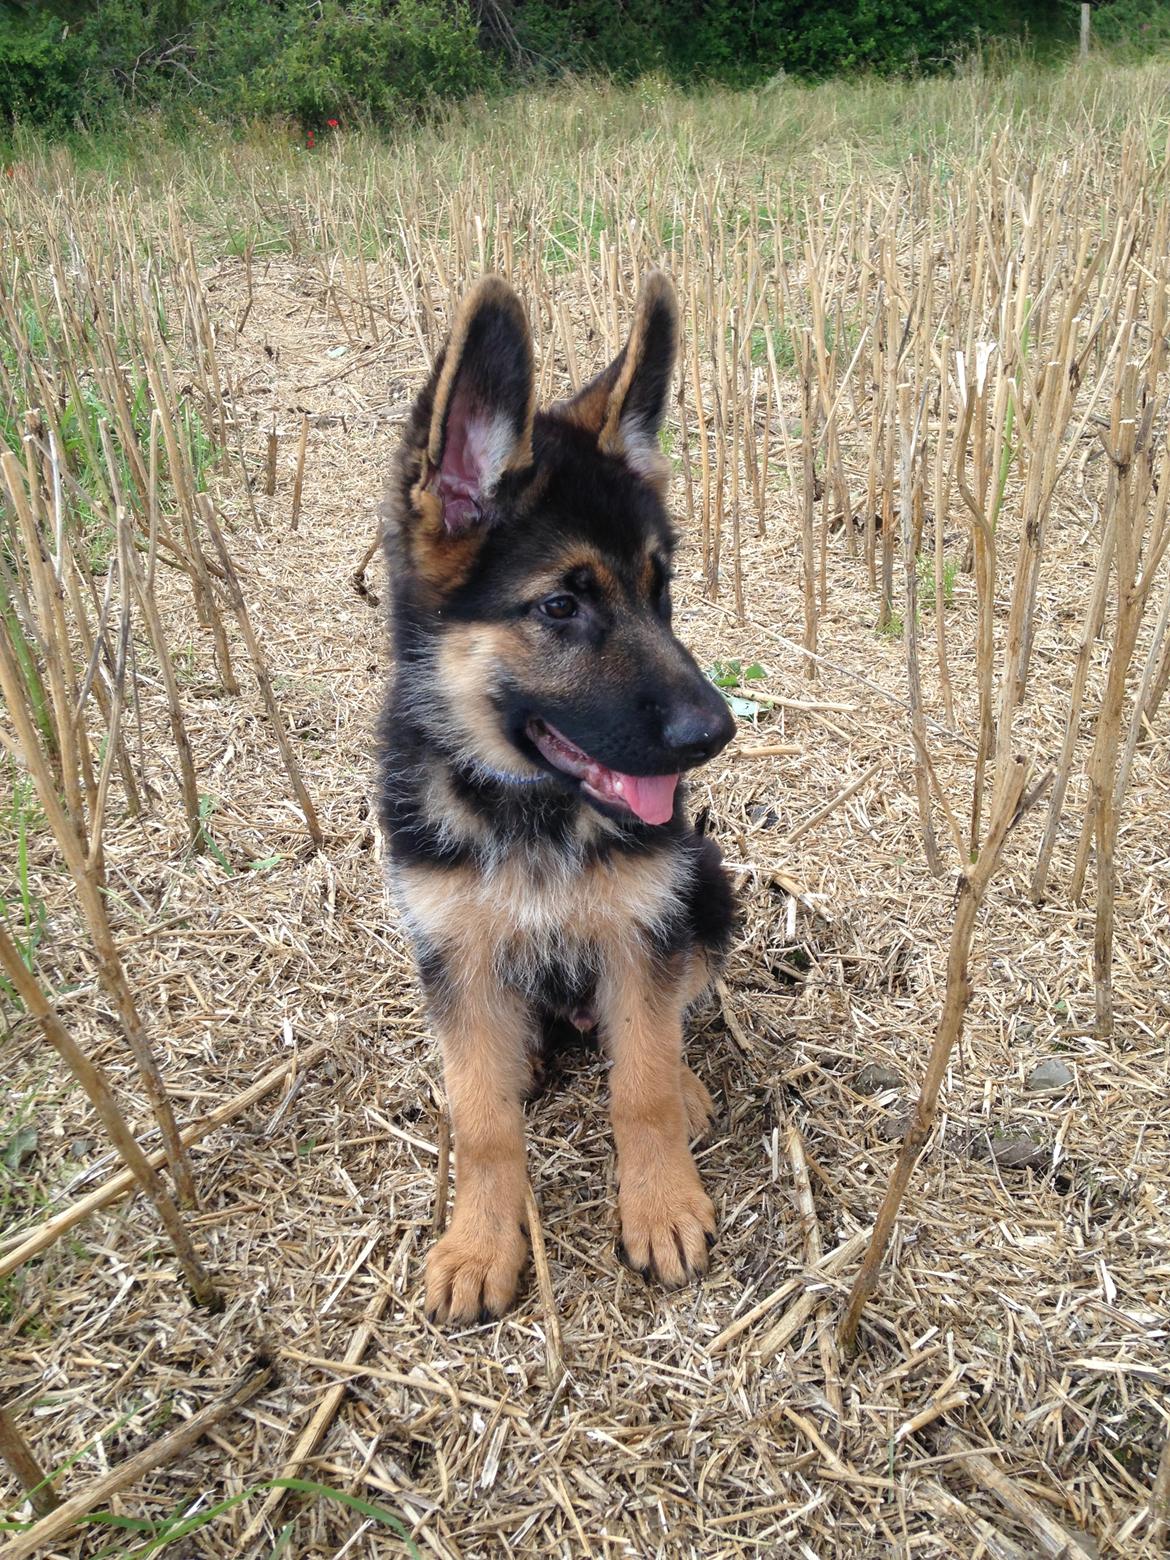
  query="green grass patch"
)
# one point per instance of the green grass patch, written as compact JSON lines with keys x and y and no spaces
{"x":140,"y":1537}
{"x":924,"y":565}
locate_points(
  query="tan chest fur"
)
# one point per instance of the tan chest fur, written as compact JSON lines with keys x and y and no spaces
{"x":520,"y":915}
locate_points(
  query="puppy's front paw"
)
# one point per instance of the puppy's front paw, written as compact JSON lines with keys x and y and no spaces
{"x":472,"y":1273}
{"x":668,"y":1221}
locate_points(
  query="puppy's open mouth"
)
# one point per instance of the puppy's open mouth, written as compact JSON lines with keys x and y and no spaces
{"x":649,"y":797}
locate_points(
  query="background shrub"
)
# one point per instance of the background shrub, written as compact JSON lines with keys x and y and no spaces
{"x":382,"y":59}
{"x":746,"y":41}
{"x":38,"y":71}
{"x":1133,"y":27}
{"x":86,"y":60}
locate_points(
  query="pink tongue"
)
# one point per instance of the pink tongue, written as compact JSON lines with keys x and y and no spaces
{"x":650,"y":796}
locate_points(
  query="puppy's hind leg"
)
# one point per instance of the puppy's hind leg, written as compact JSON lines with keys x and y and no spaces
{"x":698,"y":1105}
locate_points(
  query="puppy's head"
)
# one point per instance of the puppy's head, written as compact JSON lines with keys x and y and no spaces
{"x":531,"y":559}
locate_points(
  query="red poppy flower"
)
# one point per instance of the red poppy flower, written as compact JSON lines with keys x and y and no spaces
{"x":310,"y":141}
{"x":332,"y":123}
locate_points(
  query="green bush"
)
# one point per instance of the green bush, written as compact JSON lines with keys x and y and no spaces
{"x":580,"y":35}
{"x":382,"y":59}
{"x":902,"y":35}
{"x":1133,"y":28}
{"x":313,"y":60}
{"x":743,"y":42}
{"x":156,"y":52}
{"x":38,"y":73}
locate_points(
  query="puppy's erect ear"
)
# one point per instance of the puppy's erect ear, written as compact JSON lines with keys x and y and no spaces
{"x":482,"y":408}
{"x":624,"y":406}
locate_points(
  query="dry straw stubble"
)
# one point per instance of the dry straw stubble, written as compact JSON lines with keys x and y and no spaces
{"x":1007,"y":281}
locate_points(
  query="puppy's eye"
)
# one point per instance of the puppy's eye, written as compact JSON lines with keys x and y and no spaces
{"x":559,"y":608}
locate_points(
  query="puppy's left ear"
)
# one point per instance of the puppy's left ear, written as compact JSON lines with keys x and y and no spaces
{"x":625,"y":405}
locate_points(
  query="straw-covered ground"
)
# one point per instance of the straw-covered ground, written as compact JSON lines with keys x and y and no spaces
{"x":1021,"y":1312}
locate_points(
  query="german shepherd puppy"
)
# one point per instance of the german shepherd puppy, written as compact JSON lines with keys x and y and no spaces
{"x":539,"y":716}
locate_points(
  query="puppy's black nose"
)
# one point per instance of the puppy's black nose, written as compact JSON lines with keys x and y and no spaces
{"x":696,"y":732}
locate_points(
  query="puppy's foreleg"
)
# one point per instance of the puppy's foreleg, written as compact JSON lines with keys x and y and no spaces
{"x":473,"y":1270}
{"x":667,"y":1219}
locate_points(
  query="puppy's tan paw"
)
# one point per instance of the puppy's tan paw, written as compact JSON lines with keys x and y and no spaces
{"x":472,"y":1273}
{"x":668,"y":1221}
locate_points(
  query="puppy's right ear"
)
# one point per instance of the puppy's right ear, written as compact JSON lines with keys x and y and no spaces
{"x":482,"y":406}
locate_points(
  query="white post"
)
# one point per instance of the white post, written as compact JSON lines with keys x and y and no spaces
{"x":1086,"y":27}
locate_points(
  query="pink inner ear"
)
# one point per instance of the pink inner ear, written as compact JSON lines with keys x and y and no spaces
{"x":464,"y":476}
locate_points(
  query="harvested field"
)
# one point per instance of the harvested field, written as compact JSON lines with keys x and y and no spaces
{"x":834,"y":251}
